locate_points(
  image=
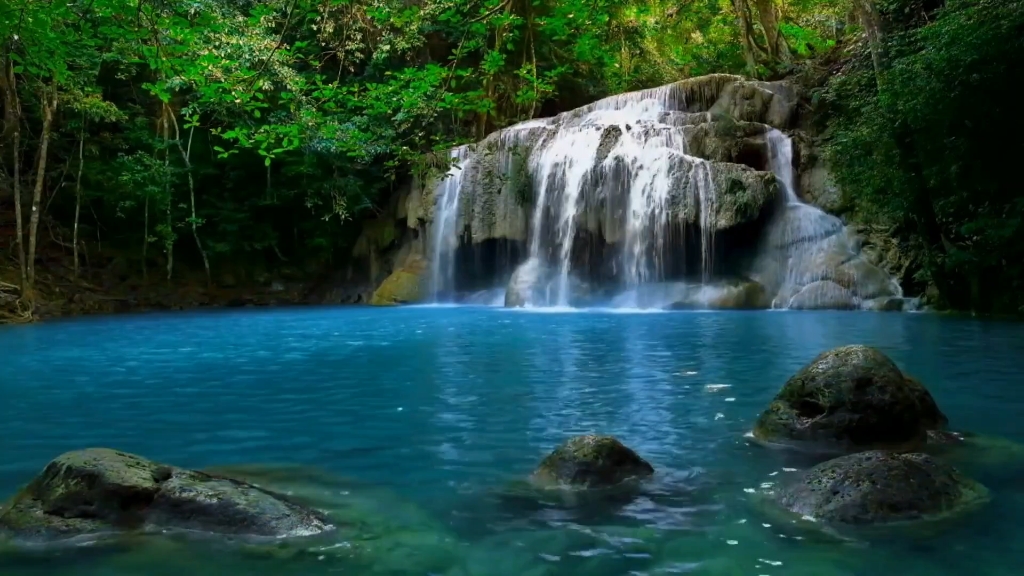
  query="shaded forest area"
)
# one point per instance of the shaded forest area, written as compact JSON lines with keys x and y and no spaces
{"x":194,"y":147}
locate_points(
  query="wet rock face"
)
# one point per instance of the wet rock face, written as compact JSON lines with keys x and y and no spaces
{"x":823,"y":295}
{"x":849,"y":399}
{"x":526,"y":280}
{"x":810,"y":253}
{"x":880,"y":487}
{"x":405,"y":285}
{"x":591,"y":462}
{"x":99,"y":490}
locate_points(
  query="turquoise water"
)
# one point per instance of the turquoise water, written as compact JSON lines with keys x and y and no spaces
{"x":416,"y":420}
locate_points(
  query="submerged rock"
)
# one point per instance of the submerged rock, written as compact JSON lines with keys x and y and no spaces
{"x":378,"y":530}
{"x":848,"y":399}
{"x":100,"y":490}
{"x":879,"y":487}
{"x":976,"y":450}
{"x":591,"y":462}
{"x":404,"y":286}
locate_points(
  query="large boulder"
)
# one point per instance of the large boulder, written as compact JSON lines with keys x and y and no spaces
{"x":405,"y":285}
{"x":880,"y":487}
{"x":823,"y":295}
{"x":850,"y":399}
{"x":99,"y":490}
{"x":591,"y":462}
{"x":739,"y":295}
{"x":525,"y":283}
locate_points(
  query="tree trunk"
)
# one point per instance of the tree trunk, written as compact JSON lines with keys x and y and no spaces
{"x":78,"y":195}
{"x":12,"y":127}
{"x":169,"y":234}
{"x":769,"y":16}
{"x":869,"y":17}
{"x":186,"y":155}
{"x":49,"y":101}
{"x":751,"y":48}
{"x":145,"y":237}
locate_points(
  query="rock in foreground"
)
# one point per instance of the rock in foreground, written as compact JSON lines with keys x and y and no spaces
{"x":848,"y":399}
{"x":100,"y":490}
{"x":591,"y":462}
{"x":879,"y":487}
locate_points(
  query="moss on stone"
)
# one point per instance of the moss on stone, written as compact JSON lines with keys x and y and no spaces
{"x":847,"y":399}
{"x":591,"y":461}
{"x":879,"y":487}
{"x":404,"y":286}
{"x":100,"y":490}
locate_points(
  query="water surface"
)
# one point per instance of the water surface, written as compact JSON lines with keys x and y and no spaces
{"x":429,"y":412}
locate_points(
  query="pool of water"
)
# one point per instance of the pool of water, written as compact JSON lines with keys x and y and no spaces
{"x":426,"y":415}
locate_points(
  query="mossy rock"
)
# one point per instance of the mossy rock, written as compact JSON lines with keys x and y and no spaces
{"x":849,"y":399}
{"x":591,"y":462}
{"x":99,"y":490}
{"x":376,"y":532}
{"x":879,"y":487}
{"x":405,"y":285}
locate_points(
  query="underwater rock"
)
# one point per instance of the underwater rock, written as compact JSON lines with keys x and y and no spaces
{"x":404,"y":286}
{"x":976,"y":450}
{"x":878,"y":487}
{"x":591,"y":462}
{"x":101,"y":490}
{"x":378,"y":531}
{"x":848,"y":399}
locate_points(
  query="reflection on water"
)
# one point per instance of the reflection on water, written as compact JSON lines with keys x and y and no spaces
{"x":434,"y":412}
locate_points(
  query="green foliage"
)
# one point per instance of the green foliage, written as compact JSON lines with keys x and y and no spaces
{"x":928,"y":146}
{"x":275,"y":129}
{"x":283,"y":120}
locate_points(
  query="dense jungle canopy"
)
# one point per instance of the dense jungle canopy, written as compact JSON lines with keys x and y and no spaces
{"x":179,"y":136}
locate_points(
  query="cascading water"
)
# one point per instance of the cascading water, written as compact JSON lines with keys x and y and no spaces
{"x":622,"y":201}
{"x":560,"y":169}
{"x":803,"y":223}
{"x":618,"y":147}
{"x":805,"y":243}
{"x":445,"y":238}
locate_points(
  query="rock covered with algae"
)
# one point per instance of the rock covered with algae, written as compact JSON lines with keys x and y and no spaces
{"x":878,"y":487}
{"x":848,"y":399}
{"x":591,"y":461}
{"x":99,"y":490}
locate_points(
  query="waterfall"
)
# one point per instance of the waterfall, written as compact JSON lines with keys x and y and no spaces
{"x":625,"y":202}
{"x":804,"y":222}
{"x":806,"y":243}
{"x":561,"y":166}
{"x":626,"y":149}
{"x":780,"y":155}
{"x":445,"y":236}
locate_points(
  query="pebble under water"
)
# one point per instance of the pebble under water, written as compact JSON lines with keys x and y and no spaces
{"x":409,"y":426}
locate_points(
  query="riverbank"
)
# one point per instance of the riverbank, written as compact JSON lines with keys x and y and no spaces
{"x":110,"y":285}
